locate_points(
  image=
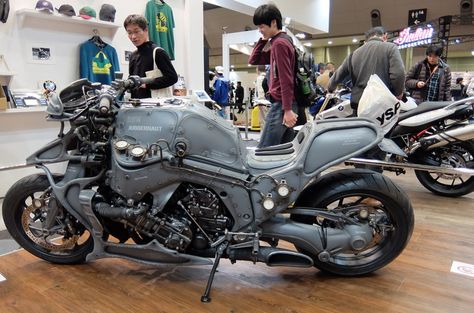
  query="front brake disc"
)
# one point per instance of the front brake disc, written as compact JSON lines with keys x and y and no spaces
{"x":43,"y":237}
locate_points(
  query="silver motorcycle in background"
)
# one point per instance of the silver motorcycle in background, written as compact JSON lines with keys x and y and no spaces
{"x":438,"y":142}
{"x":175,"y":179}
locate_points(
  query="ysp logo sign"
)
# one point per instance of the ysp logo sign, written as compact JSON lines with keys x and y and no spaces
{"x":389,"y":114}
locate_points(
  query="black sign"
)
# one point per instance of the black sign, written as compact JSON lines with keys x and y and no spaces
{"x":417,"y":16}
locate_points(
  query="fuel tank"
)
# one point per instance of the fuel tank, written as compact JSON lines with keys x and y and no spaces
{"x":160,"y":130}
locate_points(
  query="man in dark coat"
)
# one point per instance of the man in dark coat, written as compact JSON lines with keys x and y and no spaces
{"x":376,"y":56}
{"x":430,"y":79}
{"x":239,"y":97}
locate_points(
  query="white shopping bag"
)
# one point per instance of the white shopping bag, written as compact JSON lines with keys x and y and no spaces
{"x":158,"y":93}
{"x":378,"y":103}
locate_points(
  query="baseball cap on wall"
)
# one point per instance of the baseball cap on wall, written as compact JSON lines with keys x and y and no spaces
{"x":66,"y":9}
{"x":107,"y":13}
{"x":44,"y":6}
{"x":87,"y":13}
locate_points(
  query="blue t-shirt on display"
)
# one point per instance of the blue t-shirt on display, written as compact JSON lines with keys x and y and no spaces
{"x":98,"y":64}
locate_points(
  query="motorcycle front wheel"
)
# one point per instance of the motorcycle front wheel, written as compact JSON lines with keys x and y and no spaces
{"x":390,"y":215}
{"x":450,"y":156}
{"x":25,"y":210}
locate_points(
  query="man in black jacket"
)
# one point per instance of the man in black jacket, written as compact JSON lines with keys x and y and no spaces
{"x":430,"y":79}
{"x":141,"y":60}
{"x":239,"y":96}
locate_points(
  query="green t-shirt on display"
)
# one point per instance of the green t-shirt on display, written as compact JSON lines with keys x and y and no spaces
{"x":161,"y":23}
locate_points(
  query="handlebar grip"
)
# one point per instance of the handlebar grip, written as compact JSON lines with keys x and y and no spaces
{"x":135,"y":82}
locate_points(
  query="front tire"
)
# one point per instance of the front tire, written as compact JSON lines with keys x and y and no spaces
{"x":390,"y":216}
{"x":450,"y":156}
{"x":66,"y":242}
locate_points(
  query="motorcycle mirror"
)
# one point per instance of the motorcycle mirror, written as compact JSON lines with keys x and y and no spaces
{"x":49,"y":86}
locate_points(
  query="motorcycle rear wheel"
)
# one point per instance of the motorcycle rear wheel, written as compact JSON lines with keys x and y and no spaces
{"x":450,"y":156}
{"x":24,"y":220}
{"x":390,"y":215}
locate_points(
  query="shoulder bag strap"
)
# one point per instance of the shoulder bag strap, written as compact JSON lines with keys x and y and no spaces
{"x":154,"y":60}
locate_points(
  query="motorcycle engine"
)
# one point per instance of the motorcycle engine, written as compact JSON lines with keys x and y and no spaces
{"x":193,"y":217}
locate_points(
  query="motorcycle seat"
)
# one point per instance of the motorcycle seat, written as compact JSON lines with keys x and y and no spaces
{"x":275,"y":156}
{"x":424,"y":107}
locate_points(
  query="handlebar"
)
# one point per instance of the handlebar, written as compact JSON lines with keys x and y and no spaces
{"x":135,"y":82}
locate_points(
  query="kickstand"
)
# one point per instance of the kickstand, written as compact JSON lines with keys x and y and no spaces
{"x":220,"y":250}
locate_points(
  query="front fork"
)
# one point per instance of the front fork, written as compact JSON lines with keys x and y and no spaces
{"x":66,"y":192}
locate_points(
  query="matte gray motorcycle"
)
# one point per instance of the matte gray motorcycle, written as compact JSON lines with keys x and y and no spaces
{"x":170,"y":182}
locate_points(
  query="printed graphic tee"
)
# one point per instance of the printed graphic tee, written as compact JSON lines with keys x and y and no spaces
{"x":161,"y":23}
{"x":98,"y":64}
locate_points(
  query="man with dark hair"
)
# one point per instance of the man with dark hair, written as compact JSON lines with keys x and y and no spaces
{"x":376,"y":56}
{"x":430,"y":79}
{"x":141,"y":60}
{"x":274,"y":49}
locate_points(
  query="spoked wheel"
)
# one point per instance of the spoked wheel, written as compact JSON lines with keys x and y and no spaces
{"x":25,"y":211}
{"x":451,"y":156}
{"x":370,"y":198}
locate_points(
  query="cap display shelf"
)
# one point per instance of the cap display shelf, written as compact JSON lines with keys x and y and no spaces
{"x":78,"y":23}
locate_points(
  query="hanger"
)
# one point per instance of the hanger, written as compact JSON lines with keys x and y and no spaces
{"x":97,"y":40}
{"x":158,"y":2}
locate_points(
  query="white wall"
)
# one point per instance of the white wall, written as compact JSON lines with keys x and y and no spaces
{"x":307,"y":15}
{"x":247,"y":79}
{"x":64,"y":39}
{"x":22,"y":133}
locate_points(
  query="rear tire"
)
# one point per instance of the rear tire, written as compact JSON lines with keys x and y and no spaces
{"x":24,"y":223}
{"x":391,"y":217}
{"x":451,"y":156}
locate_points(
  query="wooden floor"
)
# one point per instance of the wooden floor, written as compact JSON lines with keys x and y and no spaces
{"x":419,"y":280}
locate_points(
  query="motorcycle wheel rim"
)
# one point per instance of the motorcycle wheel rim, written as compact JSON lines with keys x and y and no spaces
{"x":60,"y":241}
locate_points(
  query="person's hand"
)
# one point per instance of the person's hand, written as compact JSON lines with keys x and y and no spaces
{"x":420,"y":84}
{"x":289,"y":118}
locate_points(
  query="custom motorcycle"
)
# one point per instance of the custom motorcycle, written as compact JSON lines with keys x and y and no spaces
{"x":437,"y":141}
{"x":170,"y":182}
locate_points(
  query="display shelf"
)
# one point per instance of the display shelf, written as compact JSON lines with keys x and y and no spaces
{"x":26,"y":15}
{"x":24,"y":110}
{"x":5,"y":78}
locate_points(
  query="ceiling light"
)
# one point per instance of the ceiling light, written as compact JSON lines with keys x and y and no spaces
{"x":300,"y":36}
{"x":329,"y":42}
{"x":308,"y":44}
{"x":354,"y":40}
{"x":249,"y":65}
{"x":232,"y":66}
{"x":472,"y":52}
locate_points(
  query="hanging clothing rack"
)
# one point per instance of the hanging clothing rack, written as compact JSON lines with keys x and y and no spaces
{"x":96,"y":39}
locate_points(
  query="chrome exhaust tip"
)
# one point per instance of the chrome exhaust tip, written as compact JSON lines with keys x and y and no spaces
{"x":289,"y":259}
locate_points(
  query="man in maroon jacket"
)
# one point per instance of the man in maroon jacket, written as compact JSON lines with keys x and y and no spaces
{"x":278,"y":51}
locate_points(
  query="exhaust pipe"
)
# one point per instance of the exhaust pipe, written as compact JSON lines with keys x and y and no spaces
{"x":421,"y":167}
{"x":438,"y":140}
{"x":272,"y":257}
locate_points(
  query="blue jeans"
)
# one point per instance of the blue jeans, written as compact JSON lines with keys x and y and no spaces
{"x":274,"y":132}
{"x":222,"y":112}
